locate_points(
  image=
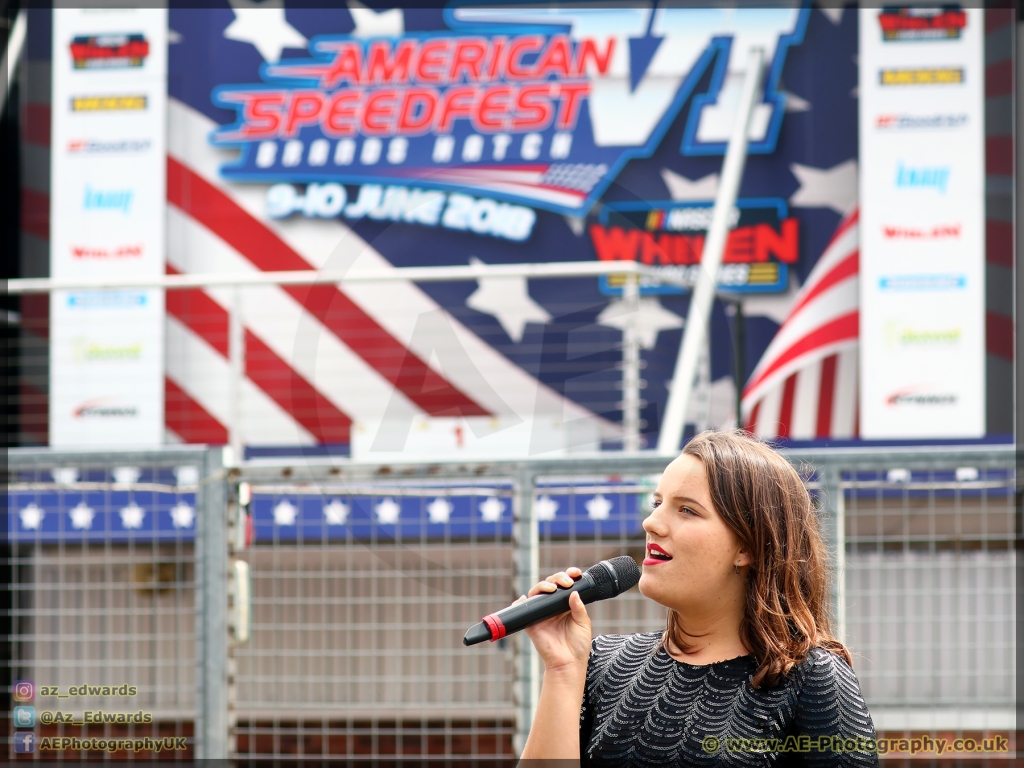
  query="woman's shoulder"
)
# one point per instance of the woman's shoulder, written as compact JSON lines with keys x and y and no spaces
{"x":607,"y":651}
{"x":823,"y":669}
{"x":606,"y":646}
{"x":829,"y":694}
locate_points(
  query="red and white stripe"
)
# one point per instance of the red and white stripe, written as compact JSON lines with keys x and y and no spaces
{"x":319,"y":357}
{"x":804,"y":387}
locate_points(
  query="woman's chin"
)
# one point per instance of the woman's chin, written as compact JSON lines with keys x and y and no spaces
{"x":649,"y":586}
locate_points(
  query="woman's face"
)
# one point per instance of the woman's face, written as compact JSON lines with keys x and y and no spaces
{"x":699,"y":576}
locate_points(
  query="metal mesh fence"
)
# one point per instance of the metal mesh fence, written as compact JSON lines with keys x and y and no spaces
{"x":359,"y":597}
{"x":358,"y":614}
{"x":930,"y":571}
{"x":104,"y":578}
{"x":364,"y":579}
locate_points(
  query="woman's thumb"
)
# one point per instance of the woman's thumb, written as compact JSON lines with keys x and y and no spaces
{"x":579,"y":613}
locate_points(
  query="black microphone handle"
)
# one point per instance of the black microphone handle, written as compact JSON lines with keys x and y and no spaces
{"x":533,"y":610}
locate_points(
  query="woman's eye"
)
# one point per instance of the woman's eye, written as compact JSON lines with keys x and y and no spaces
{"x":655,"y":504}
{"x":687,"y":511}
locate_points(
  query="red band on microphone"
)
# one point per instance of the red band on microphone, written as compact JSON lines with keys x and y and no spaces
{"x":495,"y":625}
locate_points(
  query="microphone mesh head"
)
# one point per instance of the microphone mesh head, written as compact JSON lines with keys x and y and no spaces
{"x":615,"y":576}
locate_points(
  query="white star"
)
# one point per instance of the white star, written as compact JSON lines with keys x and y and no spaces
{"x":684,"y":190}
{"x":795,"y":104}
{"x":182,"y":515}
{"x":335,"y":513}
{"x":126,"y":475}
{"x":439,"y":510}
{"x":285,"y":513}
{"x":834,"y":188}
{"x":370,"y":23}
{"x":81,"y":516}
{"x":65,"y":475}
{"x":834,"y":14}
{"x":576,"y":224}
{"x":508,"y":299}
{"x":598,"y":508}
{"x":186,"y":475}
{"x":263,"y":25}
{"x":132,"y":515}
{"x":651,"y":319}
{"x":545,"y":508}
{"x":387,"y":512}
{"x":31,"y":517}
{"x":491,"y":509}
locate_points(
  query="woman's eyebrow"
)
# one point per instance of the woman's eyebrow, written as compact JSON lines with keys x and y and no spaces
{"x":688,"y":500}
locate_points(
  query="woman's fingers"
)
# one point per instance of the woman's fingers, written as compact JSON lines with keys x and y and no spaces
{"x":564,"y":578}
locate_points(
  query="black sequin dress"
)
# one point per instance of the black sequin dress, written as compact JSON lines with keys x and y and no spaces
{"x":641,"y":707}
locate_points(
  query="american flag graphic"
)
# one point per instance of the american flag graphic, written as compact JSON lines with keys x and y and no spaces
{"x":321,"y":360}
{"x":804,"y":386}
{"x":315,"y":356}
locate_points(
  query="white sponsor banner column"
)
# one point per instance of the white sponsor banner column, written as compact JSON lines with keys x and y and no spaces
{"x":922,"y":203}
{"x":107,"y":218}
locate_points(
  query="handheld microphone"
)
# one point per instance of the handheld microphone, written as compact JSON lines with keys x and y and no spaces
{"x":606,"y":579}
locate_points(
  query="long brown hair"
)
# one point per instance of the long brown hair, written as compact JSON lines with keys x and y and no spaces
{"x":762,"y":498}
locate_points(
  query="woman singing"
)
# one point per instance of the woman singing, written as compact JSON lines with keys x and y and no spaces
{"x":747,"y":658}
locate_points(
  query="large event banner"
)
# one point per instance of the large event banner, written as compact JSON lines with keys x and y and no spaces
{"x":922,"y":258}
{"x":107,"y":218}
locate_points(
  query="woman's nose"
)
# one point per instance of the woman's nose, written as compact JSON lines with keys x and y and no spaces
{"x":653,"y":522}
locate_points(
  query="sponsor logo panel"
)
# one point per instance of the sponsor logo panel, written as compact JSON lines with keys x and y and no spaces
{"x":133,"y":251}
{"x":105,"y":408}
{"x":114,"y":51}
{"x":89,"y":351}
{"x":900,"y":334}
{"x":902,"y":24}
{"x":763,"y":242}
{"x":921,"y":397}
{"x":108,"y":147}
{"x":908,"y":122}
{"x":921,"y":76}
{"x":108,"y":199}
{"x":935,"y":232}
{"x":107,"y":300}
{"x":131,"y":102}
{"x":922,"y":177}
{"x":922,"y":282}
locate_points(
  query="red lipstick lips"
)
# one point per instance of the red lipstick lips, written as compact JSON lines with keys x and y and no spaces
{"x":652,"y":548}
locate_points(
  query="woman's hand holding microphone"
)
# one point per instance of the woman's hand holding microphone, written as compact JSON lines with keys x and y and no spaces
{"x":563,"y":641}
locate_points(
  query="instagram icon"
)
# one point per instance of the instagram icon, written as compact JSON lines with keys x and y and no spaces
{"x":24,"y":690}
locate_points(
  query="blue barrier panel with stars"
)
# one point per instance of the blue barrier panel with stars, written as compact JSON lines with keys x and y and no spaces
{"x":87,"y":511}
{"x":119,"y":505}
{"x":288,"y":517}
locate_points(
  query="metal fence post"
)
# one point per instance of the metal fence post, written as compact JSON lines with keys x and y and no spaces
{"x":211,"y":732}
{"x":527,"y":565}
{"x":832,"y":512}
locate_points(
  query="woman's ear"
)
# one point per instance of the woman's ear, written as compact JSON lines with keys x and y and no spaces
{"x":743,"y":557}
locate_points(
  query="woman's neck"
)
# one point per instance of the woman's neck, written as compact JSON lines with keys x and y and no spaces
{"x":708,"y":639}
